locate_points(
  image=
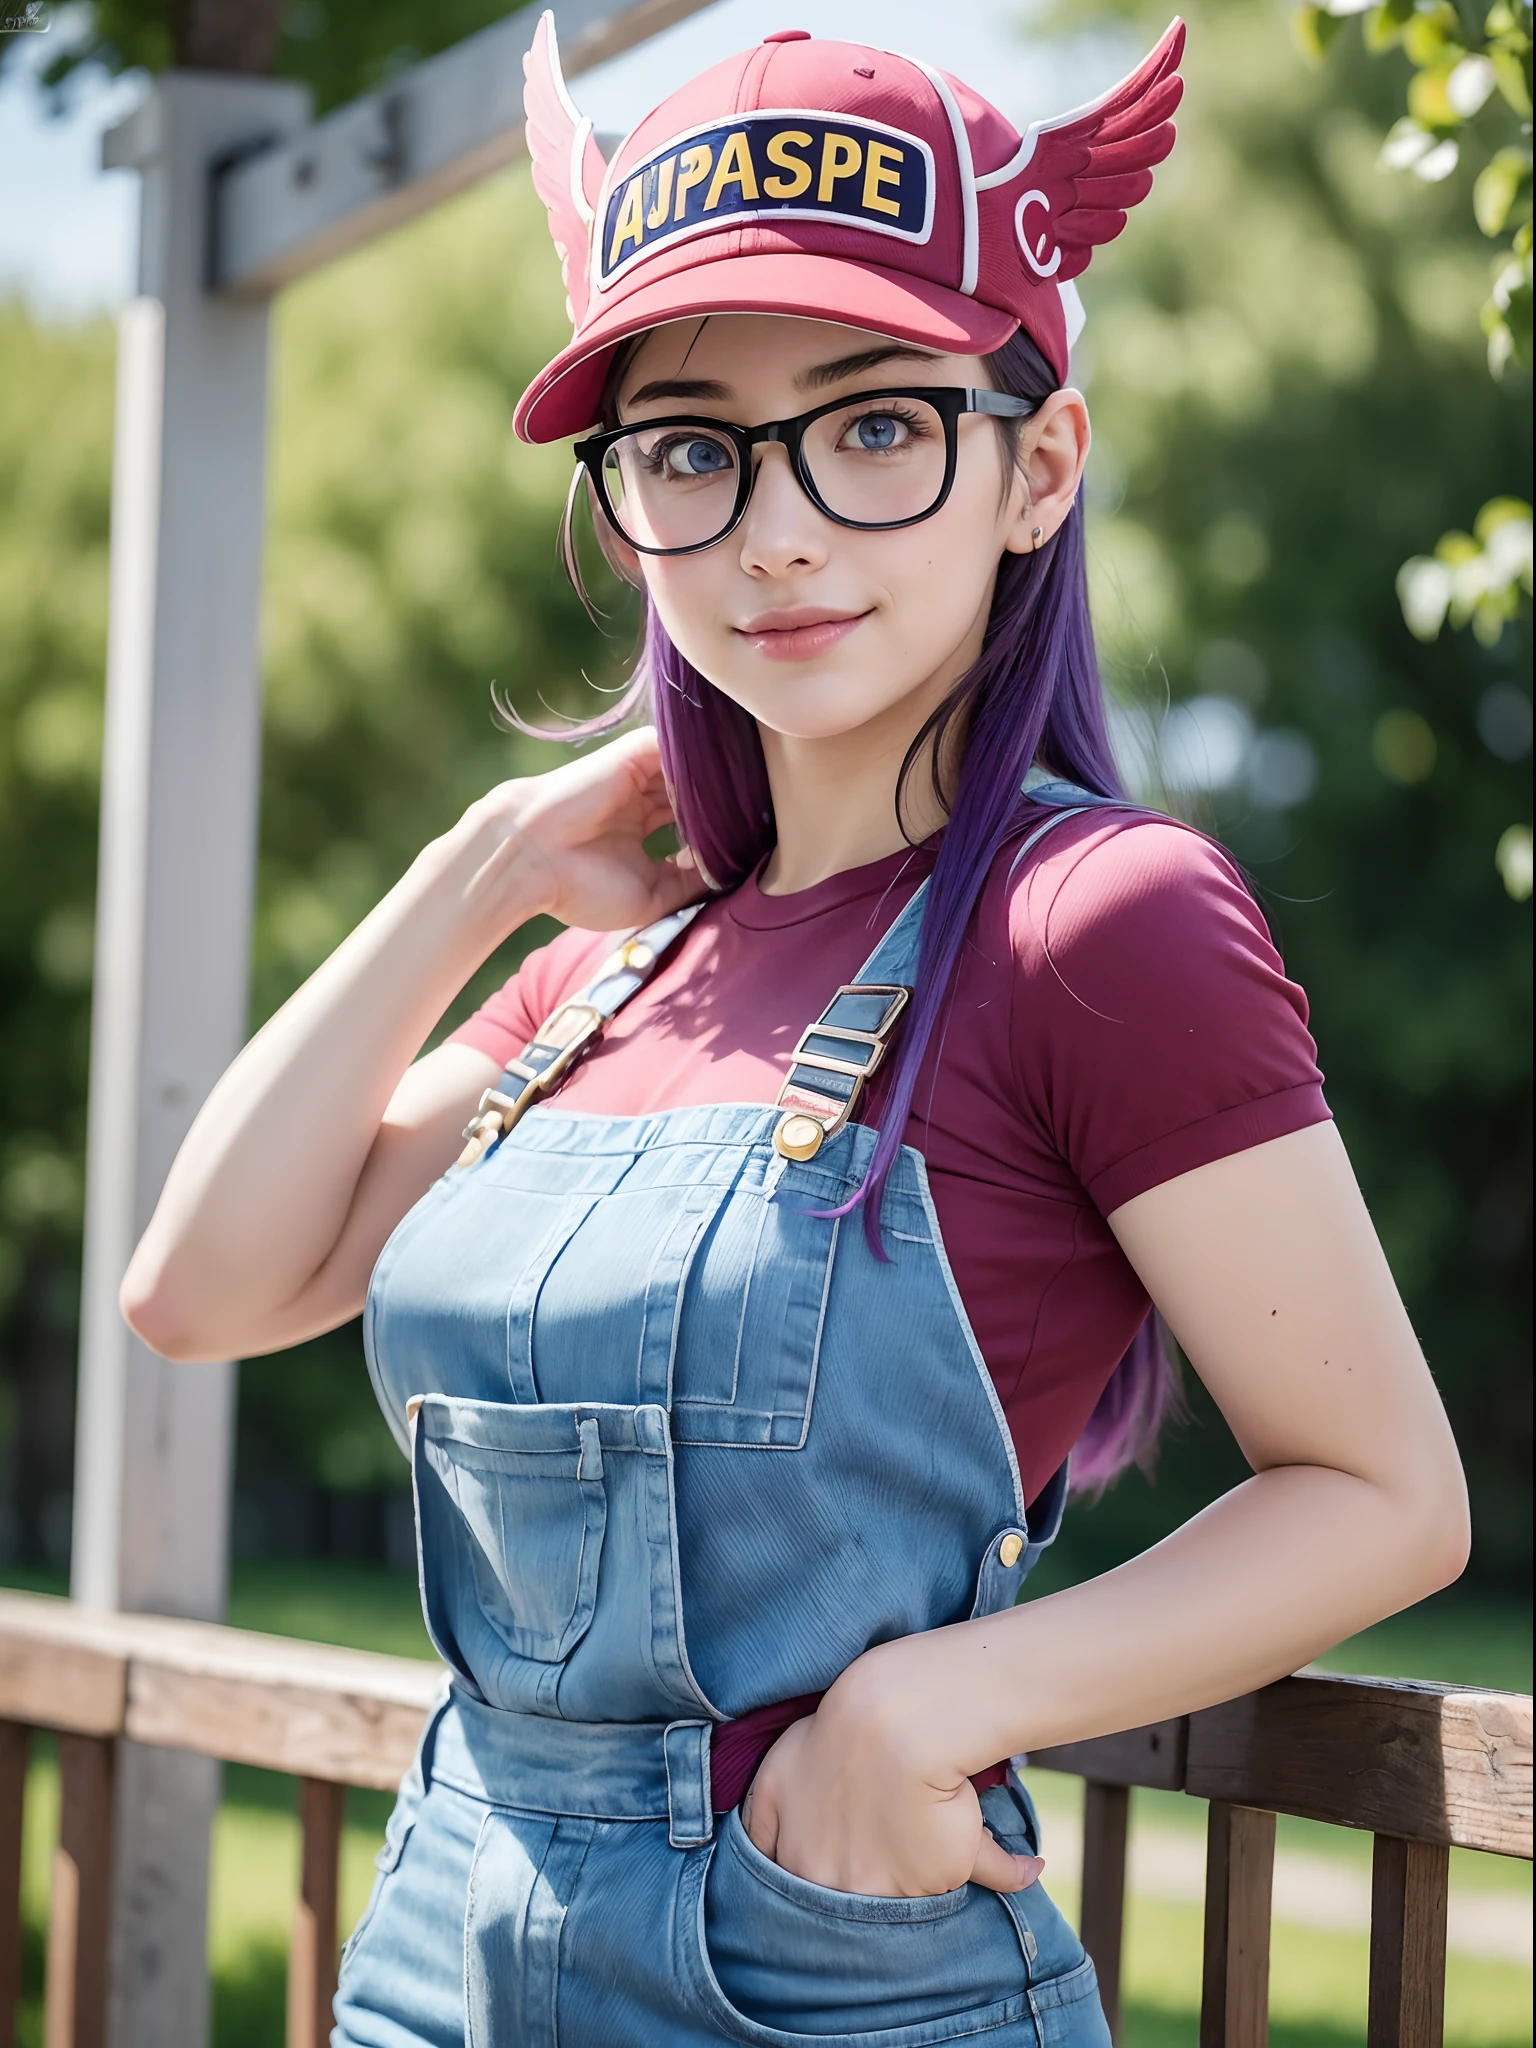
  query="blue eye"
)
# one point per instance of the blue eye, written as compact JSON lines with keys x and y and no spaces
{"x":698,"y":457}
{"x":876,"y":433}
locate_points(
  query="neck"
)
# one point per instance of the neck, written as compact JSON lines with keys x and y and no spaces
{"x":834,"y":798}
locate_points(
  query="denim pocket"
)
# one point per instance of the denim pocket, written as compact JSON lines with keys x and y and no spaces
{"x":791,"y":1958}
{"x":512,"y":1504}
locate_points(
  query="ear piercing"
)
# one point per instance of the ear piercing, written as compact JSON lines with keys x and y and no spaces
{"x":1035,"y":534}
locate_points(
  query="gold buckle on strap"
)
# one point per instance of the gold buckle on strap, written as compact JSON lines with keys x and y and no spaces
{"x":846,"y":1053}
{"x":560,"y":1043}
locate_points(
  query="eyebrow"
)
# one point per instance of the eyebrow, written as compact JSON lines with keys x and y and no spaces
{"x":816,"y":379}
{"x":680,"y":387}
{"x":855,"y":365}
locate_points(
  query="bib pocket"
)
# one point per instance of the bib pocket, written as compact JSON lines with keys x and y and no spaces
{"x":754,"y":1306}
{"x":512,"y":1510}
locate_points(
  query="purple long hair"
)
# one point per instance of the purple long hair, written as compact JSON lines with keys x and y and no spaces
{"x":1034,"y":693}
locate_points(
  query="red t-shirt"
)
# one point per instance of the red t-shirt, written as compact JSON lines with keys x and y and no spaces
{"x":1120,"y":1016}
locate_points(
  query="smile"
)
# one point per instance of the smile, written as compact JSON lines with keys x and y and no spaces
{"x":798,"y":635}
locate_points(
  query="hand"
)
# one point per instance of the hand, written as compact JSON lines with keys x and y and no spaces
{"x":855,"y":1798}
{"x":576,"y":838}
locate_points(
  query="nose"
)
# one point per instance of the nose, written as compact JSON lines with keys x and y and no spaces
{"x":781,"y":529}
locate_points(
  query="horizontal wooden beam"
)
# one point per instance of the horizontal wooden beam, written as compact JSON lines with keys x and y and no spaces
{"x":343,"y":1718}
{"x":287,"y":208}
{"x":58,"y":1668}
{"x":349,"y":1716}
{"x":1431,"y":1763}
{"x":1152,"y":1756}
{"x":1437,"y":1764}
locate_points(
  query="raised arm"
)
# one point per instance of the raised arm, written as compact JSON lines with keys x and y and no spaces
{"x":322,"y":1133}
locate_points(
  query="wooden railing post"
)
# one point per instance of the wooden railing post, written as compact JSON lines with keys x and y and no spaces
{"x":13,"y":1788}
{"x":312,"y":1952}
{"x":1239,"y":1882}
{"x":75,"y":1997}
{"x":1410,"y":1893}
{"x":1106,"y":1823}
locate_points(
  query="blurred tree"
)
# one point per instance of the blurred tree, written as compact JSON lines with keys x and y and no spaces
{"x":336,"y":47}
{"x":1469,"y":85}
{"x":55,"y":441}
{"x":1288,"y":389}
{"x":412,"y":562}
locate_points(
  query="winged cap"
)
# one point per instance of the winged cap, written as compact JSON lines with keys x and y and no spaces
{"x":835,"y":182}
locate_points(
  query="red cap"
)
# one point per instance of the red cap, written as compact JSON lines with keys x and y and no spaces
{"x":837,"y":183}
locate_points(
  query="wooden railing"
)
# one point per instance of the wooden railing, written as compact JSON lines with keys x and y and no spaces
{"x":1424,"y":1768}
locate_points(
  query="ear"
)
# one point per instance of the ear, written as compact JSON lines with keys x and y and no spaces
{"x":1052,"y":450}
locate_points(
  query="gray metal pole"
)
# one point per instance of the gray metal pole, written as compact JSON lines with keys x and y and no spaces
{"x":178,"y":840}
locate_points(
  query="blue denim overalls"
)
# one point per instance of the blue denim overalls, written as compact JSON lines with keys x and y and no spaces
{"x":682,"y":1447}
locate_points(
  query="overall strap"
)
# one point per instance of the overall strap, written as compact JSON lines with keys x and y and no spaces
{"x":571,"y":1031}
{"x":1064,"y":800}
{"x":847,"y":1042}
{"x":840,"y":1051}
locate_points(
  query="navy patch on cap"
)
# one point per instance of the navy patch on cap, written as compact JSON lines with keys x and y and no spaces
{"x":759,"y":166}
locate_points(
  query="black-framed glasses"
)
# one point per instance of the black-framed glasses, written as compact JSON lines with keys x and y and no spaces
{"x":877,"y":460}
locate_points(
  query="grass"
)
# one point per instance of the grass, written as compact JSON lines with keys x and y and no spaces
{"x":1318,"y":1979}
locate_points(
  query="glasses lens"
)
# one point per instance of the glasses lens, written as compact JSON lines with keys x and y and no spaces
{"x":878,"y":461}
{"x":672,"y":487}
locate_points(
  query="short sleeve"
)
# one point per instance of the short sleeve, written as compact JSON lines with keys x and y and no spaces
{"x":1153,"y":1021}
{"x":503,"y":1025}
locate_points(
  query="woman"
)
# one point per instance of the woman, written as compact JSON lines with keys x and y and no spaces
{"x":798,"y":1239}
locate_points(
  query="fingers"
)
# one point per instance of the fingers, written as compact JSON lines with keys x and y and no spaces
{"x":760,"y":1820}
{"x":673,"y":882}
{"x":1001,"y":1872}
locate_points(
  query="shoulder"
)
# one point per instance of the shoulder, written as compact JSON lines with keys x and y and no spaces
{"x":1151,"y":1013}
{"x":1119,"y":893}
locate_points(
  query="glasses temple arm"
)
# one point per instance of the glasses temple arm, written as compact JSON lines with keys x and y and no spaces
{"x":1001,"y":405}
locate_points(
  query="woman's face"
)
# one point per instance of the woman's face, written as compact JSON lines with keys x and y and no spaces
{"x":818,"y":629}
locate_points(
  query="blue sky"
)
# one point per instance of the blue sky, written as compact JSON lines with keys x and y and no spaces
{"x":68,"y":237}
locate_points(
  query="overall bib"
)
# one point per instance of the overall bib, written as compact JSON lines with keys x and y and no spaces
{"x":682,"y":1447}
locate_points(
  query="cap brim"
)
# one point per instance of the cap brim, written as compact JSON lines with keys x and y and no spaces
{"x":565,"y":397}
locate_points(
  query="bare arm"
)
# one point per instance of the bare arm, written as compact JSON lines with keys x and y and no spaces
{"x":322,"y":1134}
{"x":1270,"y":1275}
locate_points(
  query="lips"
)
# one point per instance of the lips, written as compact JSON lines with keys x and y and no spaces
{"x":799,"y":634}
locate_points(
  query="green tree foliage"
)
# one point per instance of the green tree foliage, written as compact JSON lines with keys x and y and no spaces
{"x":1469,"y":87}
{"x":1469,"y":84}
{"x":1288,"y":385}
{"x":411,"y":562}
{"x":55,"y":438}
{"x":338,"y":48}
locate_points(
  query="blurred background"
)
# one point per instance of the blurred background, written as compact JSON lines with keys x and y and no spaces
{"x":1308,"y":367}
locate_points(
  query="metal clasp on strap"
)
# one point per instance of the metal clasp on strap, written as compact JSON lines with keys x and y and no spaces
{"x":832,"y":1062}
{"x":540,"y":1065}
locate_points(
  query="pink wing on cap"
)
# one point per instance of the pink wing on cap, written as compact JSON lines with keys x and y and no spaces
{"x":1070,"y":184}
{"x":568,"y":166}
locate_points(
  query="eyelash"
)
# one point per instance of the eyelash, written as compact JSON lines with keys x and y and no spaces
{"x":891,"y":410}
{"x":916,"y":426}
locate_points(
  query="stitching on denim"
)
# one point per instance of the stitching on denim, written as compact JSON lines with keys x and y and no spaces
{"x":963,"y":1322}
